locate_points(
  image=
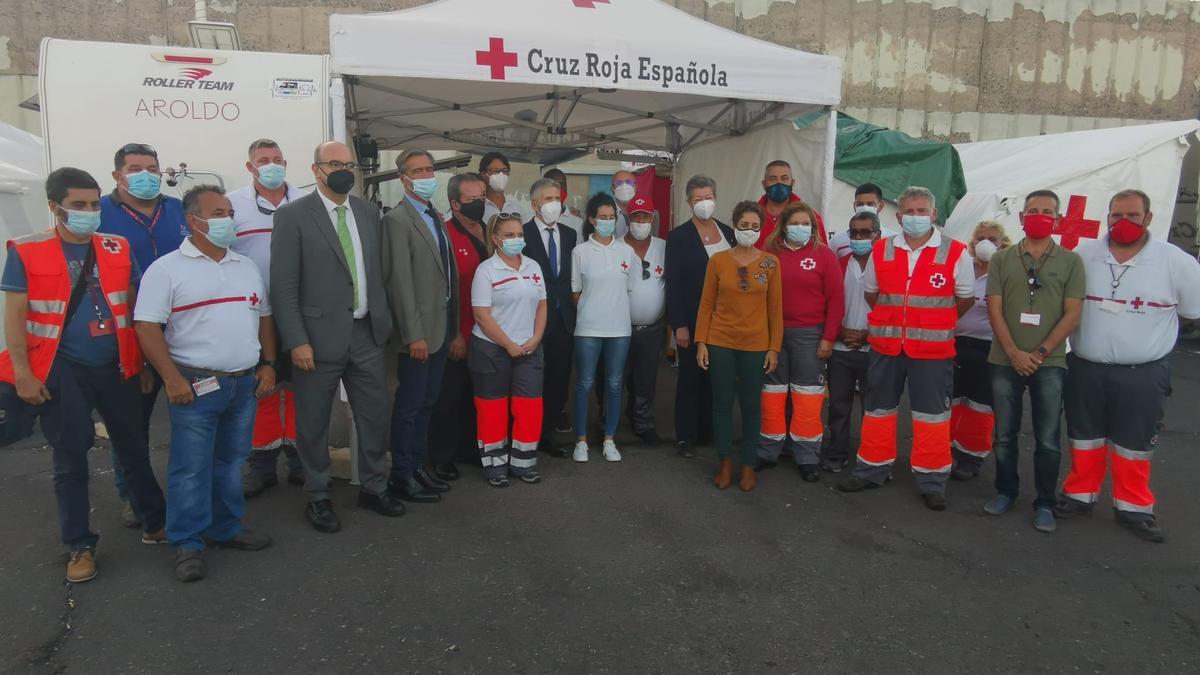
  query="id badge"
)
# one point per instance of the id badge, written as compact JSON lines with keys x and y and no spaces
{"x":1111,"y":306}
{"x":99,"y":327}
{"x":205,"y":385}
{"x":1028,"y":319}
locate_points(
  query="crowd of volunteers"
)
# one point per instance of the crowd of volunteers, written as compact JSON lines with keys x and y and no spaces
{"x":460,"y":338}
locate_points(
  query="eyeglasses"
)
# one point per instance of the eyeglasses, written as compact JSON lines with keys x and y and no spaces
{"x":338,"y":166}
{"x":138,"y":149}
{"x":645,"y":270}
{"x":860,"y":234}
{"x":744,"y":278}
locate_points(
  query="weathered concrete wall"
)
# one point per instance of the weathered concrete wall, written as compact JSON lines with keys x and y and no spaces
{"x":956,"y":69}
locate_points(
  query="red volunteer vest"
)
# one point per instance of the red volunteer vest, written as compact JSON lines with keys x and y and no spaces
{"x":918,"y":315}
{"x":49,"y":292}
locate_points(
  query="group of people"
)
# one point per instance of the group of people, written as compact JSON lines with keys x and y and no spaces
{"x":455,"y":336}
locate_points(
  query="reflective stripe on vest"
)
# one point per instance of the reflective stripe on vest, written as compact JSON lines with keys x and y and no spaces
{"x":47,"y":306}
{"x":915,"y":313}
{"x":43,"y":330}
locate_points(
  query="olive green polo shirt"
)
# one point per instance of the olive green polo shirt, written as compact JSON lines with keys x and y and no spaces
{"x":1061,"y":274}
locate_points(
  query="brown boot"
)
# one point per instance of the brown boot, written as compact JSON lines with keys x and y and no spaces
{"x":749,"y":479}
{"x":724,"y":475}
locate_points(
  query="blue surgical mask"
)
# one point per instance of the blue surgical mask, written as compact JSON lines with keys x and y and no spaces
{"x":81,"y":223}
{"x":424,"y":187}
{"x":861,"y":246}
{"x":799,"y":234}
{"x":144,"y":185}
{"x":915,"y":226}
{"x":605,"y":228}
{"x":271,"y":176}
{"x":779,"y":193}
{"x":513,"y":247}
{"x":221,"y":231}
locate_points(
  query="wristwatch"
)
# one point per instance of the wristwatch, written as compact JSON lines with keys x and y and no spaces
{"x":1043,"y":351}
{"x":264,"y":362}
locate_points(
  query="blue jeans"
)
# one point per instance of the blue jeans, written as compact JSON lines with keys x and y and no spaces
{"x":419,"y":384}
{"x":210,"y":439}
{"x":588,"y":351}
{"x":1045,"y":394}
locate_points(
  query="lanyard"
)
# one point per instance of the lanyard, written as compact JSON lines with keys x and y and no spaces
{"x":149,"y":226}
{"x":264,"y":210}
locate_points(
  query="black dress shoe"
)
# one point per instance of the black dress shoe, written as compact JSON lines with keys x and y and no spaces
{"x":810,"y":473}
{"x":764,"y":465}
{"x":649,"y":438}
{"x":552,"y":450}
{"x":411,"y":491}
{"x":446,"y":471}
{"x":934,"y":501}
{"x":429,"y":482}
{"x":855,"y":484}
{"x":321,"y":516}
{"x":384,"y":504}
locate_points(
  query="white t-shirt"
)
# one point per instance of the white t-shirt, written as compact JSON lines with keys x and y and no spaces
{"x":211,"y":309}
{"x":855,"y":316}
{"x":603,"y":275}
{"x":975,"y":322}
{"x":648,"y":300}
{"x":840,"y":242}
{"x":1138,"y":321}
{"x":510,"y":206}
{"x":964,"y":271}
{"x":513,"y":295}
{"x":713,"y":249}
{"x":254,"y":227}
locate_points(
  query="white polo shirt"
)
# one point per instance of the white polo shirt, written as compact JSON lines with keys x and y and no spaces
{"x":964,"y":271}
{"x":211,"y":309}
{"x":648,"y":299}
{"x":513,"y":295}
{"x":254,"y":227}
{"x":1138,"y":320}
{"x":603,"y":275}
{"x":855,"y":316}
{"x":974,"y":323}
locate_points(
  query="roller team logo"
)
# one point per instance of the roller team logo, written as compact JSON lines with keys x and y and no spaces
{"x":190,"y":89}
{"x":937,"y":280}
{"x":194,"y":73}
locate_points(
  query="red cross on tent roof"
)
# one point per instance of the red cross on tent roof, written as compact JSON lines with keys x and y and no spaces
{"x":589,"y":4}
{"x":496,"y":58}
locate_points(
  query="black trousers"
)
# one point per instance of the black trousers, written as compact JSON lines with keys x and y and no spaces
{"x":693,"y":398}
{"x":452,"y":427}
{"x":641,"y":374}
{"x":558,"y":346}
{"x":847,"y":373}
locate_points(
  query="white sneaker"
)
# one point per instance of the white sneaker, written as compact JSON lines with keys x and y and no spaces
{"x":581,"y":452}
{"x":610,"y":452}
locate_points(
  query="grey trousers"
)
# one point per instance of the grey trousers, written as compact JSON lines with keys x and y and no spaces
{"x":365,"y":378}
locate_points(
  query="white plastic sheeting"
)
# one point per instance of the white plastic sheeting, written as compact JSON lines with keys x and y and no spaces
{"x":22,"y":173}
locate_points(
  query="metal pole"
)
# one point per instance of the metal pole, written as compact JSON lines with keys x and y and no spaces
{"x":830,"y":158}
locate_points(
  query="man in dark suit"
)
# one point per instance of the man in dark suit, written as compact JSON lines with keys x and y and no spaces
{"x":332,"y":313}
{"x":422,"y":284}
{"x":550,"y":245}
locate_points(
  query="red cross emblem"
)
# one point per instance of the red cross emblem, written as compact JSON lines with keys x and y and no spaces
{"x":658,"y":270}
{"x":537,"y":279}
{"x":496,"y":58}
{"x":1136,"y":303}
{"x":254,"y":299}
{"x":1074,"y":225}
{"x":589,"y":4}
{"x":624,"y":266}
{"x":110,"y":245}
{"x":937,"y":280}
{"x":808,"y":264}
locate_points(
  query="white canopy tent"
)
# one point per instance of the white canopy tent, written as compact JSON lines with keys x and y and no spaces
{"x":546,"y":81}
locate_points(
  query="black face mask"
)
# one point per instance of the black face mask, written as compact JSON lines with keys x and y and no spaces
{"x":340,"y":181}
{"x":473,"y":210}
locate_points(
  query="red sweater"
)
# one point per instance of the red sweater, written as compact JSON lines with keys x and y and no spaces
{"x":813,"y":290}
{"x":468,"y":253}
{"x":773,"y":222}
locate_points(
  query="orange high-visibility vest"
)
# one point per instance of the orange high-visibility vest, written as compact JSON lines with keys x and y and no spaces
{"x":49,"y":291}
{"x":915,"y":315}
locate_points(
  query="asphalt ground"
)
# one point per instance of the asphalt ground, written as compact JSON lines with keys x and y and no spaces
{"x":640,"y":566}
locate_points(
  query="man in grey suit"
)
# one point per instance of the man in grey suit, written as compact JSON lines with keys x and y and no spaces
{"x":421,"y":277}
{"x":332,"y":315}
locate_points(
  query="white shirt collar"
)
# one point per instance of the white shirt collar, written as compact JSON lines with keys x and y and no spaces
{"x":189,"y":249}
{"x":542,"y":224}
{"x":498,"y":263}
{"x":330,"y":205}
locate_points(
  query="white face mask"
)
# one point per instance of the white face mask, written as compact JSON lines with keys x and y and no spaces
{"x":498,"y":181}
{"x":550,"y":211}
{"x":704,"y":209}
{"x":984,"y":250}
{"x":640,"y":230}
{"x":747,"y":237}
{"x":866,"y":208}
{"x":624,"y":192}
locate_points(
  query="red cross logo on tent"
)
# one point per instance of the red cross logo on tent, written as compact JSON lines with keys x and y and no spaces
{"x":254,"y":299}
{"x":110,"y":245}
{"x":937,"y":280}
{"x":1136,"y":303}
{"x":808,"y":264}
{"x":589,"y":4}
{"x":496,"y":58}
{"x":1074,"y":225}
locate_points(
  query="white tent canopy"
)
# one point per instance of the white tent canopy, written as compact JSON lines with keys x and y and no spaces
{"x":548,"y":80}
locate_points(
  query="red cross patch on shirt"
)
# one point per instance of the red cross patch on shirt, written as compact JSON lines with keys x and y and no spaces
{"x":937,"y":280}
{"x":808,"y":264}
{"x":111,"y":245}
{"x":624,"y":266}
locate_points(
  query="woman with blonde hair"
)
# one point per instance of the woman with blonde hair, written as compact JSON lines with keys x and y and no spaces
{"x":971,"y":419}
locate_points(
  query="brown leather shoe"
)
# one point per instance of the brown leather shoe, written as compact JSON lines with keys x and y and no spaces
{"x":82,"y":565}
{"x":724,"y":475}
{"x":749,"y":479}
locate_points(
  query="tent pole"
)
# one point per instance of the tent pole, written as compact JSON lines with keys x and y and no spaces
{"x":830,"y":158}
{"x":337,"y":103}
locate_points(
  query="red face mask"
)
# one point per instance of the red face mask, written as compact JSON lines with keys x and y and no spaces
{"x":562,"y":194}
{"x":1125,"y":231}
{"x":1038,"y":225}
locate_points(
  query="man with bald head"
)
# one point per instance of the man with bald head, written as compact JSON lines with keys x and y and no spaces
{"x":332,"y":314}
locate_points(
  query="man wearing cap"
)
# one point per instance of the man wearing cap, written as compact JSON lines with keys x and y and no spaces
{"x":253,"y":215}
{"x":154,"y":225}
{"x":647,"y":308}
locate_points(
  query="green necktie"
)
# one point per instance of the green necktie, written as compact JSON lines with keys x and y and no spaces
{"x":348,"y":249}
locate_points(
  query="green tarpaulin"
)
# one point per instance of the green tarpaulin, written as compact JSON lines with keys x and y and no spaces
{"x":893,"y":160}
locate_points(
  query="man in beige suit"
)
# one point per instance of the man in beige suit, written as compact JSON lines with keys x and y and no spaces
{"x":422,"y":287}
